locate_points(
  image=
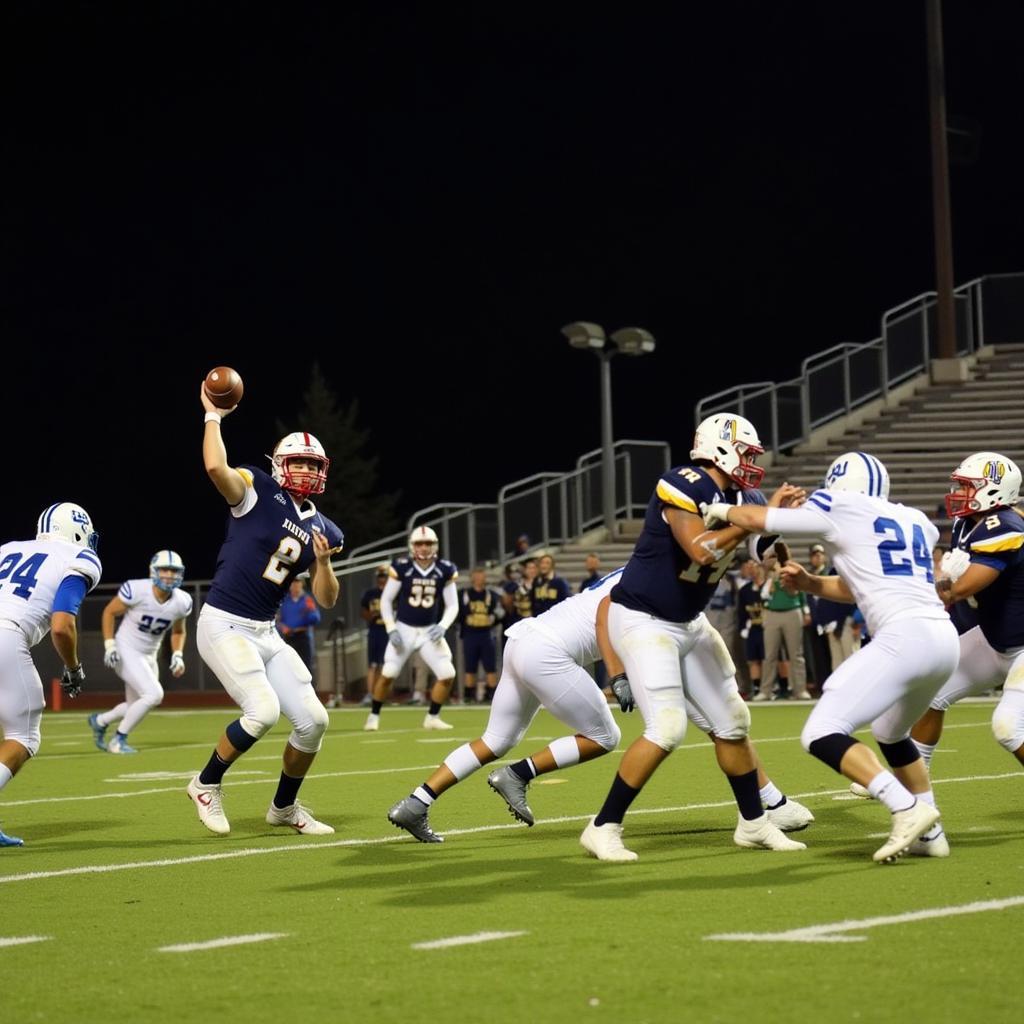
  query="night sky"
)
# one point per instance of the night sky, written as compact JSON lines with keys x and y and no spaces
{"x":187,"y":185}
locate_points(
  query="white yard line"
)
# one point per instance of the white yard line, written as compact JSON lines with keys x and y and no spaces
{"x":24,"y":940}
{"x":835,"y":932}
{"x":228,"y":940}
{"x":466,"y":940}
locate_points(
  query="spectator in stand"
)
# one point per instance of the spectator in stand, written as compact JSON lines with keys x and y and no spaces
{"x":523,"y":597}
{"x":721,"y":613}
{"x":749,"y":619}
{"x":296,"y":617}
{"x":508,"y":587}
{"x":522,"y":544}
{"x":548,"y":589}
{"x":480,"y":611}
{"x":376,"y":634}
{"x":785,"y":616}
{"x":816,"y":648}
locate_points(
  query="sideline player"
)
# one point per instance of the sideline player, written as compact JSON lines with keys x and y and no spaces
{"x":274,"y":533}
{"x":147,"y":608}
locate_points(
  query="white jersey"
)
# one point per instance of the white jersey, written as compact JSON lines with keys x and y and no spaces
{"x":146,"y":620}
{"x":572,"y":623}
{"x":31,"y":572}
{"x":882,"y":551}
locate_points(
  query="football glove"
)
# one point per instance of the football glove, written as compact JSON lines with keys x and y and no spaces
{"x":177,"y":664}
{"x":72,"y":681}
{"x":954,"y":563}
{"x":716,"y":514}
{"x":623,"y":693}
{"x":436,"y":632}
{"x":110,"y":656}
{"x":395,"y":639}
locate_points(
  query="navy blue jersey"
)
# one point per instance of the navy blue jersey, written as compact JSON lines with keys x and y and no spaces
{"x":997,"y":540}
{"x":371,"y":602}
{"x":265,"y":549}
{"x":660,"y":577}
{"x":477,"y":610}
{"x":750,"y":607}
{"x":420,"y":600}
{"x":547,"y":593}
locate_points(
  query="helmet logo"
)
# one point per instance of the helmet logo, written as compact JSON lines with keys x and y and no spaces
{"x":727,"y":432}
{"x":994,"y":471}
{"x":79,"y":516}
{"x":838,"y":470}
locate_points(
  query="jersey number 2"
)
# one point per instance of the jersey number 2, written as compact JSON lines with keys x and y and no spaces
{"x":282,"y":560}
{"x":897,"y":544}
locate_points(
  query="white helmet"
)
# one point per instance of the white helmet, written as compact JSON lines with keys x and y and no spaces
{"x":299,"y":446}
{"x":732,"y":444}
{"x":423,"y":535}
{"x":67,"y":521}
{"x":982,"y":481}
{"x":165,"y":560}
{"x":858,"y":472}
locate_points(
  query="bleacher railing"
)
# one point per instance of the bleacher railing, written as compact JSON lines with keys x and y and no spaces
{"x":832,"y":383}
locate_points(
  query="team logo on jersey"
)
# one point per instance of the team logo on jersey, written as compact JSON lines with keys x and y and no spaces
{"x":281,"y":498}
{"x":728,"y":431}
{"x":994,"y":471}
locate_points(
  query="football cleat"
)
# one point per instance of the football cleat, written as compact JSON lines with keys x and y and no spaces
{"x":6,"y":840}
{"x":761,"y":834}
{"x":907,"y":826}
{"x":436,"y":722}
{"x":605,"y":842}
{"x":98,"y":731}
{"x":512,"y":790}
{"x":860,"y":791}
{"x":930,"y":845}
{"x":299,"y":819}
{"x":118,"y":745}
{"x":790,"y":816}
{"x":414,"y":816}
{"x":372,"y":723}
{"x":208,"y":806}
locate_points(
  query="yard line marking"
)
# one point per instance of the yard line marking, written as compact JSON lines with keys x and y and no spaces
{"x":164,"y":776}
{"x":257,"y":851}
{"x":24,"y":940}
{"x":466,"y":940}
{"x":833,"y":932}
{"x":228,"y":940}
{"x":549,"y":782}
{"x":446,"y":739}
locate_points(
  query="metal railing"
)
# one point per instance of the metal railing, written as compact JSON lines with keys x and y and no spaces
{"x":838,"y":380}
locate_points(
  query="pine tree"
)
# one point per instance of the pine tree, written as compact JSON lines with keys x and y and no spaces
{"x":352,"y":499}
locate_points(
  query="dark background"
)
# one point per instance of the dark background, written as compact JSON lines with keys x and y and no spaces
{"x":419,"y":200}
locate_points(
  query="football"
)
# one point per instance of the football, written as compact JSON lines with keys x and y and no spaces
{"x":223,"y":387}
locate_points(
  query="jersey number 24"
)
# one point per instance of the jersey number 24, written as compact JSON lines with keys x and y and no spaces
{"x":892,"y":552}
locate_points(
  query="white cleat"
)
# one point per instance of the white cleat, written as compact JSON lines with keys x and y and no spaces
{"x":907,"y":826}
{"x":372,"y":723}
{"x":605,"y":842}
{"x":435,"y":722}
{"x":930,"y":845}
{"x":761,"y":834}
{"x":790,"y":817}
{"x":860,"y":791}
{"x":299,"y":819}
{"x":208,"y":806}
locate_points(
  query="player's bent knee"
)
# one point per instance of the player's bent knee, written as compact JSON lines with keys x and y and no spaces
{"x":830,"y":749}
{"x":608,"y":738}
{"x":308,"y":730}
{"x":29,"y":738}
{"x":1008,"y":729}
{"x":899,"y":754}
{"x":669,"y":729}
{"x":501,"y":745}
{"x":738,"y":725}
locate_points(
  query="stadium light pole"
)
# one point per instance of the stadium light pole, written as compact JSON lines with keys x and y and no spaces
{"x":630,"y":341}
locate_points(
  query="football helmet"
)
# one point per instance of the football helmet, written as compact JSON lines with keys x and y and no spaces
{"x":299,"y":445}
{"x":167,"y":570}
{"x":732,"y":444}
{"x":982,"y":481}
{"x":860,"y":473}
{"x":423,"y":535}
{"x":67,"y":521}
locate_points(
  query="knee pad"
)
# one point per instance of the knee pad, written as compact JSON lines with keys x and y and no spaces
{"x":153,"y":699}
{"x":609,"y":737}
{"x":1008,"y":728}
{"x":739,"y":726}
{"x":308,"y":732}
{"x":29,"y":738}
{"x":260,"y":715}
{"x":830,"y":749}
{"x":668,"y":729}
{"x":501,"y":745}
{"x":899,"y":754}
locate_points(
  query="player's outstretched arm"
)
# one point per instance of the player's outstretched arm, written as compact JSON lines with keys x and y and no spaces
{"x":228,"y":481}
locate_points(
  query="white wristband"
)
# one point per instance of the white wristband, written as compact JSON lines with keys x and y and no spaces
{"x":109,"y":645}
{"x":212,"y":417}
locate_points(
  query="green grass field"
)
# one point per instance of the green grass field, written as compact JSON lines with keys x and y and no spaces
{"x":116,"y":867}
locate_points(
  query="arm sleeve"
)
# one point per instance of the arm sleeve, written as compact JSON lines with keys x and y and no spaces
{"x":806,"y":521}
{"x":451,"y":604}
{"x":70,"y":593}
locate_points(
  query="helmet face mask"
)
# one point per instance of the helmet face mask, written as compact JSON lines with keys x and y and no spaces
{"x":166,"y":570}
{"x":983,"y":481}
{"x":419,"y":539}
{"x":70,"y":522}
{"x":731,"y":443}
{"x":859,"y":473}
{"x":302,"y":482}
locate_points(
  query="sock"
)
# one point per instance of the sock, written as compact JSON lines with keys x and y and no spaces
{"x":214,"y":770}
{"x":748,"y":797}
{"x":122,"y":735}
{"x":620,"y":796}
{"x":435,"y":708}
{"x":376,"y":706}
{"x":772,"y":796}
{"x":5,"y":775}
{"x":424,"y":794}
{"x":887,"y":789}
{"x":925,"y":750}
{"x":287,"y":790}
{"x":524,"y":769}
